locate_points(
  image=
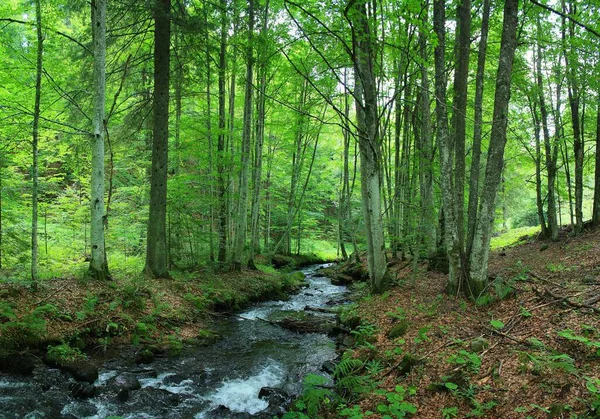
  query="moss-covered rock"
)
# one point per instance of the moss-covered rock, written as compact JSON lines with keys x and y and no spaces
{"x":479,"y":344}
{"x":398,"y":330}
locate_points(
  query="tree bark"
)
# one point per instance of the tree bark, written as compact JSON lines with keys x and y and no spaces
{"x":242,"y":213}
{"x":221,"y":192}
{"x":368,"y":138}
{"x":156,"y":239}
{"x":451,"y":238}
{"x":34,"y":147}
{"x":495,"y":160}
{"x":98,"y":268}
{"x":551,"y":151}
{"x":596,"y":208}
{"x":477,"y":129}
{"x":459,"y":113}
{"x":258,"y":144}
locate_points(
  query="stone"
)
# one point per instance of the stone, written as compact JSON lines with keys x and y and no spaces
{"x":479,"y":344}
{"x":80,"y":371}
{"x":398,"y":330}
{"x":145,"y":356}
{"x":328,"y":367}
{"x":82,"y":390}
{"x":123,"y":395}
{"x":127,"y":381}
{"x":16,"y":363}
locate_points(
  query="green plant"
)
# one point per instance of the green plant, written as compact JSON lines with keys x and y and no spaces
{"x":397,"y":406}
{"x":365,"y":334}
{"x":398,"y":314}
{"x":314,"y":396}
{"x":449,"y":412}
{"x":27,"y":329}
{"x":570,"y":335}
{"x":470,"y":360}
{"x":592,"y":384}
{"x":348,"y":378}
{"x":89,"y":306}
{"x":353,"y":412}
{"x":538,"y":364}
{"x":497,"y":324}
{"x":422,"y":335}
{"x":64,"y":353}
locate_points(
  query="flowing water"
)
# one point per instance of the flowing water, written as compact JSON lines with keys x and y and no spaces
{"x":222,"y":380}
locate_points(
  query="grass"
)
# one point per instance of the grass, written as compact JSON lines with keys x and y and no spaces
{"x":512,"y":237}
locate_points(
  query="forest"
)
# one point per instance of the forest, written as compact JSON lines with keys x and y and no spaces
{"x":165,"y":164}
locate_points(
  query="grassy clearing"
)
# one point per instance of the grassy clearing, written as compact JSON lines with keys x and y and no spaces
{"x":513,"y":237}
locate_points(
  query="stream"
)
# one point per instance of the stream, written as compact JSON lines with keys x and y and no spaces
{"x":222,"y":380}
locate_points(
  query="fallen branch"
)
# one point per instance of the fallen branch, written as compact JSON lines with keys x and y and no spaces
{"x":547,"y":281}
{"x":567,"y":299}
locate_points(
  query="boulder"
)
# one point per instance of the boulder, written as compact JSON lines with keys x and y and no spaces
{"x":127,"y":381}
{"x":82,"y":390}
{"x":80,"y":371}
{"x":16,"y":363}
{"x":145,"y":356}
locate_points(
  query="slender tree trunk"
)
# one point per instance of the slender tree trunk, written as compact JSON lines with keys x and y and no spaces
{"x":538,"y":171}
{"x":495,"y":160}
{"x":222,"y":193}
{"x":477,"y":129}
{"x":258,"y":145}
{"x":1,"y":210}
{"x":567,"y":166}
{"x":550,"y":150}
{"x":459,"y":113}
{"x":231,"y":134}
{"x":209,"y":134}
{"x":369,"y":141}
{"x":35,"y":141}
{"x":426,"y":156}
{"x":596,"y":208}
{"x":455,"y":275}
{"x":156,"y":239}
{"x":98,"y":268}
{"x":242,"y":214}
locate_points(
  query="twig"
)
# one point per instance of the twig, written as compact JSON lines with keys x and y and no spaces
{"x":533,"y":274}
{"x":567,"y":299}
{"x":51,"y":295}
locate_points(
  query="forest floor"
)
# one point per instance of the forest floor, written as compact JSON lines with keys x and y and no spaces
{"x":532,"y":349}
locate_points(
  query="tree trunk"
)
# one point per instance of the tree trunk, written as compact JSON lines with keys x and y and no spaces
{"x":368,"y":139}
{"x":426,"y":156}
{"x":242,"y":213}
{"x":477,"y":129}
{"x":156,"y":239}
{"x":98,"y":268}
{"x":34,"y":148}
{"x":258,"y":145}
{"x":538,"y":171}
{"x":495,"y":160}
{"x":459,"y":113}
{"x":209,"y":134}
{"x":455,"y":273}
{"x":596,"y":209}
{"x":222,"y":193}
{"x":550,"y":149}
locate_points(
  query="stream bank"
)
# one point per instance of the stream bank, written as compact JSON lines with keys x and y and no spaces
{"x":254,"y":369}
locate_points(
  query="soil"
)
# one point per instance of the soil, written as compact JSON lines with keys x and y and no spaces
{"x":556,"y":288}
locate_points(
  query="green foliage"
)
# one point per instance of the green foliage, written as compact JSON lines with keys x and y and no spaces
{"x":354,"y":412}
{"x":28,"y":329}
{"x":397,"y":406}
{"x":89,"y":307}
{"x":64,"y":353}
{"x":470,"y":360}
{"x":590,"y":343}
{"x":512,"y":237}
{"x":449,"y":412}
{"x":315,"y":395}
{"x":541,"y":363}
{"x":497,"y":324}
{"x":398,"y":314}
{"x":348,"y":379}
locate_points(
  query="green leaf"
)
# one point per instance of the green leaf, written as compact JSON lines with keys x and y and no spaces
{"x":451,"y":386}
{"x":497,"y":324}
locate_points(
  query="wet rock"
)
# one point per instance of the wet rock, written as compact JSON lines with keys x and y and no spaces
{"x":277,"y":399}
{"x":127,"y":381}
{"x":49,"y":379}
{"x":82,"y":390}
{"x":16,"y":363}
{"x":224,"y":412}
{"x":328,"y":367}
{"x":145,"y":356}
{"x":154,"y":396}
{"x":351,"y":322}
{"x":123,"y":395}
{"x":348,"y":341}
{"x":398,"y":330}
{"x":145,"y":373}
{"x":174,"y":379}
{"x":80,"y":371}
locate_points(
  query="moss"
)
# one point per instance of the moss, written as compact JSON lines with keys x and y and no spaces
{"x":398,"y":330}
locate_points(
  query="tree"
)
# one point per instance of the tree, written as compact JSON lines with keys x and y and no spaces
{"x":367,"y":115}
{"x":495,"y":158}
{"x":34,"y":143}
{"x":242,"y":212}
{"x":156,"y":239}
{"x":98,"y":268}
